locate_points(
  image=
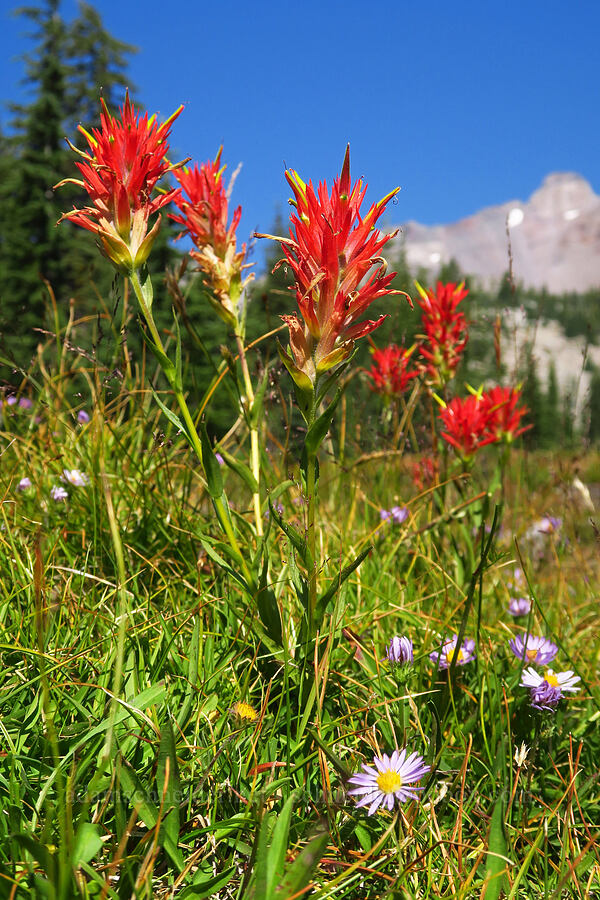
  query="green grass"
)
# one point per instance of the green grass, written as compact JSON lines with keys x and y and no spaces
{"x":125,"y":646}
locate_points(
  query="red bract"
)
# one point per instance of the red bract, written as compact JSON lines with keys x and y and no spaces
{"x":389,"y":373}
{"x":425,"y":472}
{"x":335,"y":257}
{"x":204,"y":214}
{"x":467,"y":424}
{"x":445,"y":330}
{"x":127,"y":157}
{"x":504,"y":413}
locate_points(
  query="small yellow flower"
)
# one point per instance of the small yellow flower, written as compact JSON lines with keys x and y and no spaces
{"x":244,"y":711}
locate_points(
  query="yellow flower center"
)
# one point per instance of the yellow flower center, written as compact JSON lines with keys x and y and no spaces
{"x":389,"y":782}
{"x":450,"y":654}
{"x":245,"y":711}
{"x":531,"y":654}
{"x":551,"y":678}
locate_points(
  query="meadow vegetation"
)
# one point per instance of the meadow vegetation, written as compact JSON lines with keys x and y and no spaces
{"x":207,"y":637}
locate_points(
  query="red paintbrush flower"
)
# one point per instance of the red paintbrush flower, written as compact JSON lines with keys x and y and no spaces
{"x":389,"y":373}
{"x":504,"y":413}
{"x":204,"y":213}
{"x":335,"y":257}
{"x":445,"y":330}
{"x":126,"y":159}
{"x":467,"y":424}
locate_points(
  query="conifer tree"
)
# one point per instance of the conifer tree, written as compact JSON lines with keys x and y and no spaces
{"x":533,"y":399}
{"x":593,"y":430}
{"x":33,"y":158}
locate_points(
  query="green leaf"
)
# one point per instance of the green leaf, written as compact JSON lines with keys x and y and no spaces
{"x":146,"y":286}
{"x":257,"y":406}
{"x":318,"y":430}
{"x":279,"y":845}
{"x":147,"y":811}
{"x":87,"y":843}
{"x":178,"y":383}
{"x":339,"y":580}
{"x":240,"y":469}
{"x":171,"y":416}
{"x":163,"y":360}
{"x":40,"y":852}
{"x":207,"y":885}
{"x":212,"y":468}
{"x":210,"y":550}
{"x":267,"y":607}
{"x":333,"y":758}
{"x":296,"y":539}
{"x":495,"y":877}
{"x":168,"y":789}
{"x":262,"y":859}
{"x":300,"y":872}
{"x":277,"y":491}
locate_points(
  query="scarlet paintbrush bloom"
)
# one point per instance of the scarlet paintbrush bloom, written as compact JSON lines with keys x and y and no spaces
{"x":505,"y":415}
{"x":445,"y":328}
{"x":335,"y":257}
{"x":389,"y":373}
{"x":467,"y":424}
{"x":126,"y":159}
{"x":204,"y":207}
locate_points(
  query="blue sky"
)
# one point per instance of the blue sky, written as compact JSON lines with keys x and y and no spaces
{"x":464,"y":104}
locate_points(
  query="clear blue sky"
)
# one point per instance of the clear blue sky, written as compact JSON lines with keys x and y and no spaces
{"x":464,"y":104}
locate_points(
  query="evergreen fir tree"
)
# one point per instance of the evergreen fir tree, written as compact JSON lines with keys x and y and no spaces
{"x":552,"y":421}
{"x":533,"y":399}
{"x":593,"y":429}
{"x":33,"y":249}
{"x":69,"y":68}
{"x":98,"y":67}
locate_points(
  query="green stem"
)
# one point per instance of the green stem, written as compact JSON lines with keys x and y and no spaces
{"x":191,"y":430}
{"x":254,"y":447}
{"x":311,"y":537}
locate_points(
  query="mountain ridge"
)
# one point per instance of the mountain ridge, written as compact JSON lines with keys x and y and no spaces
{"x":554,"y":239}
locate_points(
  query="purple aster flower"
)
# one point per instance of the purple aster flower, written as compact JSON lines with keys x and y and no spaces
{"x":11,"y":400}
{"x":390,"y":778}
{"x":400,"y":651}
{"x":58,"y":492}
{"x":24,"y":484}
{"x":548,"y":525}
{"x":219,"y":459}
{"x":397,"y":514}
{"x":547,"y":689}
{"x":25,"y":403}
{"x":464,"y":654}
{"x":83,"y":417}
{"x":537,"y":650}
{"x":519,"y":606}
{"x":75,"y":477}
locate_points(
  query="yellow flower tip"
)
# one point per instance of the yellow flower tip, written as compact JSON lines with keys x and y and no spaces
{"x":476,"y":392}
{"x":87,"y":136}
{"x":551,"y":678}
{"x":452,"y":653}
{"x":421,"y":290}
{"x":244,"y":711}
{"x":168,"y":122}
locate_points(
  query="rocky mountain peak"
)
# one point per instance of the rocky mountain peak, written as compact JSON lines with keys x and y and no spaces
{"x":555,"y":238}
